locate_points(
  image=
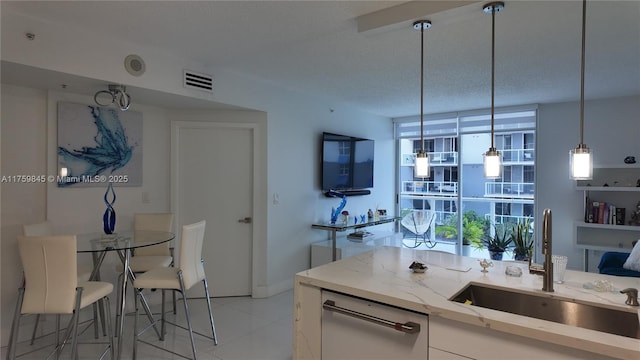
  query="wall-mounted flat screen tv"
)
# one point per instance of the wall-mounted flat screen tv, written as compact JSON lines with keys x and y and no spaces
{"x":347,"y":162}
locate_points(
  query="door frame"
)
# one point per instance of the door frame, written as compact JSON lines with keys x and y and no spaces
{"x":258,"y":241}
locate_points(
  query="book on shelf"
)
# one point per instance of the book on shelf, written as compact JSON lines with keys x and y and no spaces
{"x":600,"y":212}
{"x":620,"y":216}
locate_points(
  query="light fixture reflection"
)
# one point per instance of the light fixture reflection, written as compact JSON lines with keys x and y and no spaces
{"x":580,"y":161}
{"x":492,"y":158}
{"x":422,"y":158}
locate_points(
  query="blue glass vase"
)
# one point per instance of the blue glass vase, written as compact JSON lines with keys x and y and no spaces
{"x":109,"y":217}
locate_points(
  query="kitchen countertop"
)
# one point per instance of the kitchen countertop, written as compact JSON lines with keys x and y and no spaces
{"x":383,"y":275}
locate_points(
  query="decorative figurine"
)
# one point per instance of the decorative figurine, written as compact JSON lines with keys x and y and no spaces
{"x":418,"y":267}
{"x":635,"y":216}
{"x":485,"y":264}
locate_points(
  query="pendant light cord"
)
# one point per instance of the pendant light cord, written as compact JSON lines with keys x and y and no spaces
{"x":582,"y":62}
{"x":493,"y":68}
{"x":422,"y":88}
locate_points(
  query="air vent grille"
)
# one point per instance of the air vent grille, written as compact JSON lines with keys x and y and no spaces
{"x":195,"y":80}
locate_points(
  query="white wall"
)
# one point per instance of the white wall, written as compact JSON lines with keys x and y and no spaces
{"x":23,"y":153}
{"x":29,"y":147}
{"x":612,"y":133}
{"x":292,"y":152}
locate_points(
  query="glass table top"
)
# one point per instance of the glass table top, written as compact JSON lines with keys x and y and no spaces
{"x":98,"y":241}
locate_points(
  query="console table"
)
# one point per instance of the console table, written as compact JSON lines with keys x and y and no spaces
{"x":334,"y":228}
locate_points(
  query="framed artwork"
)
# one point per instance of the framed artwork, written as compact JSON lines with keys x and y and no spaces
{"x":98,"y":145}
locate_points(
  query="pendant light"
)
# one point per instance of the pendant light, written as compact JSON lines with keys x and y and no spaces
{"x":422,"y":158}
{"x":493,"y":158}
{"x":581,"y":161}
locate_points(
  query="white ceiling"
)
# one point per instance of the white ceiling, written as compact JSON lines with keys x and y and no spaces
{"x":315,"y":46}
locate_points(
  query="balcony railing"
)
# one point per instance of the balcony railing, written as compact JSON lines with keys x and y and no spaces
{"x":443,"y":157}
{"x":509,"y":189}
{"x":429,"y":188}
{"x":518,"y":156}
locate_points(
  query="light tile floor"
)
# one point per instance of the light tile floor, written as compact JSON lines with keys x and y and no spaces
{"x":247,"y":329}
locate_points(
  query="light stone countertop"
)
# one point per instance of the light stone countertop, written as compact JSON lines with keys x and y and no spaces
{"x":383,"y":275}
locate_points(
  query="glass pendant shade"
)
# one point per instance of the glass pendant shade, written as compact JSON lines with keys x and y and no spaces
{"x":422,"y":164}
{"x":581,"y":163}
{"x":492,"y":164}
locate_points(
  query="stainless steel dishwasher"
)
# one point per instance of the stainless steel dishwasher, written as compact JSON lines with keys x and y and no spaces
{"x":355,"y":328}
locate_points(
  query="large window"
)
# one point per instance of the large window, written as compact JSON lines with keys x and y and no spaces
{"x":464,"y":201}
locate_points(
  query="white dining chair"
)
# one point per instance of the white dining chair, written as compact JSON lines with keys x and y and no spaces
{"x":188,"y":272}
{"x":45,"y":228}
{"x":149,"y":257}
{"x":51,"y":287}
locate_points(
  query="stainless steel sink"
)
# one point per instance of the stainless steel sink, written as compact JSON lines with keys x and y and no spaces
{"x":564,"y":311}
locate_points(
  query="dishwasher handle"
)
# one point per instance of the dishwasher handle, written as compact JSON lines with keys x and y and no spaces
{"x":408,"y":327}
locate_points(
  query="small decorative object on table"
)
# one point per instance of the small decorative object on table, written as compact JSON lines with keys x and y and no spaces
{"x":109,"y":217}
{"x":336,"y":212}
{"x":485,"y":264}
{"x":514,"y":271}
{"x":345,"y":217}
{"x":418,"y":267}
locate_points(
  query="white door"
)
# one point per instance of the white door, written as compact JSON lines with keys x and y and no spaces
{"x":213,"y":180}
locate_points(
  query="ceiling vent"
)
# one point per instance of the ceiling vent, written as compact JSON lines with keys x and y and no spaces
{"x":195,"y":80}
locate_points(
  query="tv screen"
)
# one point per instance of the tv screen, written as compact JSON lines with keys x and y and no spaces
{"x":347,"y":162}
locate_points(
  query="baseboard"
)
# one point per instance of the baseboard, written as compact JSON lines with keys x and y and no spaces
{"x":270,"y":290}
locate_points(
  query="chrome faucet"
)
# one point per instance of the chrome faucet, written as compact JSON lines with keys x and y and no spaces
{"x":547,"y":269}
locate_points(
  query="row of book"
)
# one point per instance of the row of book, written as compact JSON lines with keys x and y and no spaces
{"x":600,"y":212}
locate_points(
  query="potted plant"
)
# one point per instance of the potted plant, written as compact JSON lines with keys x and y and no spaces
{"x":473,"y":228}
{"x":497,"y":243}
{"x":522,"y":238}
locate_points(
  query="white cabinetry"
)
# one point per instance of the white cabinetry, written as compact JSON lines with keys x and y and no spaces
{"x":354,"y":328}
{"x":475,"y":342}
{"x":620,"y":191}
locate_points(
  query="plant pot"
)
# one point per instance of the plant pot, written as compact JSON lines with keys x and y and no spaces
{"x":466,"y":250}
{"x":496,"y":255}
{"x":519,"y":257}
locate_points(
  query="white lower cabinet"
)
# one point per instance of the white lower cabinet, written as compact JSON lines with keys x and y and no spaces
{"x":354,"y":328}
{"x":477,"y":342}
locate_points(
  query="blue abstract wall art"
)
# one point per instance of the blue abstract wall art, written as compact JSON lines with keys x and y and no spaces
{"x":98,"y":145}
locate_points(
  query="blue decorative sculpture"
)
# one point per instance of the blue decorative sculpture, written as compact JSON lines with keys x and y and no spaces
{"x":109,"y":217}
{"x":336,"y":212}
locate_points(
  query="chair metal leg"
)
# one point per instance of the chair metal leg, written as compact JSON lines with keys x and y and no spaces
{"x":35,"y":329}
{"x":162,"y":320}
{"x":76,"y":321}
{"x":15,"y":325}
{"x":119,"y":296}
{"x":213,"y":327}
{"x":173,"y":293}
{"x":188,"y":316}
{"x":110,"y":329}
{"x":58,"y":349}
{"x":135,"y":324}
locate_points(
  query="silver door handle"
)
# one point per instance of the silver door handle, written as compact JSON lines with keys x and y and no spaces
{"x":246,"y":220}
{"x":408,"y":327}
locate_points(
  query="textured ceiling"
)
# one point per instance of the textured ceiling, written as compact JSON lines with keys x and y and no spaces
{"x":315,"y":47}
